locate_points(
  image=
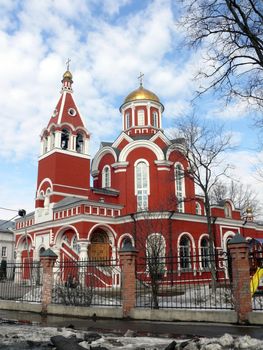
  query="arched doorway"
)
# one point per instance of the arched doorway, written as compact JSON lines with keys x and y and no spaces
{"x":99,"y":248}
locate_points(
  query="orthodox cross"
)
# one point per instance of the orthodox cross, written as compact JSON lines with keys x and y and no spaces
{"x":140,"y":77}
{"x":67,"y":63}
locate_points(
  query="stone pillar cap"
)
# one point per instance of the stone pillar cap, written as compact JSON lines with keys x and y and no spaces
{"x":237,"y":239}
{"x":48,"y":254}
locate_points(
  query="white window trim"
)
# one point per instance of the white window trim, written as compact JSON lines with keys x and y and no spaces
{"x":197,"y":204}
{"x":148,"y":175}
{"x":103,"y":176}
{"x":183,"y":186}
{"x":141,"y":117}
{"x":141,"y":160}
{"x":155,"y":119}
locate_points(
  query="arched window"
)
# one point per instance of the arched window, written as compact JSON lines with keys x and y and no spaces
{"x":179,"y":180}
{"x":155,"y":119}
{"x":198,"y":209}
{"x":52,"y":139}
{"x":45,"y":141}
{"x":106,"y":177}
{"x":227,"y":210}
{"x":141,"y":120}
{"x":127,"y":120}
{"x":75,"y":244}
{"x":185,"y":252}
{"x":142,"y":185}
{"x":79,"y":143}
{"x":47,"y":198}
{"x":204,"y":253}
{"x":65,"y":139}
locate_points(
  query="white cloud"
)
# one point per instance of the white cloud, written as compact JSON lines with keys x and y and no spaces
{"x":107,"y":53}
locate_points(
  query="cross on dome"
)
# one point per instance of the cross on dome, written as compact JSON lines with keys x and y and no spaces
{"x":140,"y":78}
{"x":67,"y":63}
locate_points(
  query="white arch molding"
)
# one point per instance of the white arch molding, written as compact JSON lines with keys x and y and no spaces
{"x":141,"y":144}
{"x":100,"y":154}
{"x":60,"y":232}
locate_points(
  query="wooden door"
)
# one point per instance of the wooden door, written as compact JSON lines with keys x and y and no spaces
{"x":99,"y":251}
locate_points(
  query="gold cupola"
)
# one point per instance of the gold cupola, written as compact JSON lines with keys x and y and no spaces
{"x":141,"y":94}
{"x":141,"y":112}
{"x":67,"y":75}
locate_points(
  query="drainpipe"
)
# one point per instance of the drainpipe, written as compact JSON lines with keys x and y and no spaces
{"x":134,"y":228}
{"x":170,"y":241}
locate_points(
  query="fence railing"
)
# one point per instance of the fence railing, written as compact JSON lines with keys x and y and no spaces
{"x":86,"y":283}
{"x":193,"y":282}
{"x":21,"y":282}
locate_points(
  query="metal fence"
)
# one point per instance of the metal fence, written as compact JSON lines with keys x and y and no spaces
{"x":185,"y":282}
{"x":21,"y":282}
{"x":86,"y":283}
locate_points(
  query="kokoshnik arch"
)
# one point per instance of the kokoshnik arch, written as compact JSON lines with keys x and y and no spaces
{"x":139,"y":193}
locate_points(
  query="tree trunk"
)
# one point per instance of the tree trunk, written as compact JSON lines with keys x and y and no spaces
{"x":211,"y":245}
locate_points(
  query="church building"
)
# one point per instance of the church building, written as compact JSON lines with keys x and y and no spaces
{"x":138,"y":195}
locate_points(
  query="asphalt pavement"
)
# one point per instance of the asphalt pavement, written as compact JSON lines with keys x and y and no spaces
{"x":163,"y":329}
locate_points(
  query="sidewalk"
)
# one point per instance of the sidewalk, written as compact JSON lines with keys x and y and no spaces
{"x":165,"y":329}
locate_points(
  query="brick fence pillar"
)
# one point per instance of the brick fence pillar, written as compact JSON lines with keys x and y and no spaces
{"x":239,"y":250}
{"x":128,"y":257}
{"x":47,"y":259}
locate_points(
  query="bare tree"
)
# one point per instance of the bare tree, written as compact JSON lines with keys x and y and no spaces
{"x":243,"y":196}
{"x":150,"y":232}
{"x":204,"y":146}
{"x":231,"y":32}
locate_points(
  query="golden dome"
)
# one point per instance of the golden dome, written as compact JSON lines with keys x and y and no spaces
{"x":249,"y":210}
{"x":67,"y":75}
{"x":141,"y":94}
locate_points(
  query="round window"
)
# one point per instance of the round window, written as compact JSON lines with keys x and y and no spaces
{"x":72,"y":112}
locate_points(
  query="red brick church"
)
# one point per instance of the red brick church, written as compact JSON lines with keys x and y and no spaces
{"x":137,"y":195}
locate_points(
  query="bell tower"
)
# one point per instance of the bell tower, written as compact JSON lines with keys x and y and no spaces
{"x":64,"y":162}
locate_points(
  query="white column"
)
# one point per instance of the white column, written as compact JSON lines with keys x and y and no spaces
{"x":72,"y":142}
{"x":18,"y":269}
{"x":86,"y":146}
{"x":83,"y":254}
{"x":133,"y":115}
{"x":58,"y":139}
{"x":148,"y":114}
{"x":160,"y":118}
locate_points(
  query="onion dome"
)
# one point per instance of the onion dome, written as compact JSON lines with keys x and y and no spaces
{"x":141,"y":94}
{"x":67,"y":75}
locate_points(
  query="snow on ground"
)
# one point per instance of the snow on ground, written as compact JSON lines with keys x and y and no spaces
{"x":22,"y":337}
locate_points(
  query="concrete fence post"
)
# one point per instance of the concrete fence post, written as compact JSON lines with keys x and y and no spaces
{"x":128,"y":278}
{"x":47,"y":259}
{"x":239,"y":250}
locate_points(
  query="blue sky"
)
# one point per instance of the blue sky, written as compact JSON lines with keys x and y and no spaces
{"x":109,"y":43}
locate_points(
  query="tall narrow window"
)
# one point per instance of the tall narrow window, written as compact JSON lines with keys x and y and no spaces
{"x":142,"y":185}
{"x":179,"y":179}
{"x":106,"y":177}
{"x":79,"y":143}
{"x":45,"y":144}
{"x":185,"y":253}
{"x":204,"y":253}
{"x":198,"y":209}
{"x":227,"y":209}
{"x":127,"y":120}
{"x":65,"y":139}
{"x":53,"y":139}
{"x":141,"y":120}
{"x":155,"y":119}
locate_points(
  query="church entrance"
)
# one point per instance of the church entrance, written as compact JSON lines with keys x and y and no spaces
{"x":99,"y":249}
